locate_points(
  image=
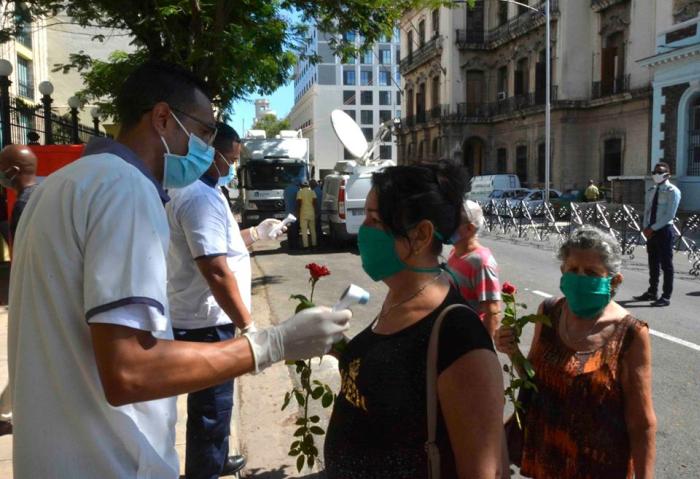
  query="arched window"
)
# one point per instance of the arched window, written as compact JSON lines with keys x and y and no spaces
{"x":693,"y":163}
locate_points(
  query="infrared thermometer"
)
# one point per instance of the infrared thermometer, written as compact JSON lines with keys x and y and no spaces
{"x":352,"y":295}
{"x":278,"y":229}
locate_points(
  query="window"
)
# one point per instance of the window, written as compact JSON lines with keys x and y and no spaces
{"x":349,"y":77}
{"x":613,"y":65}
{"x":384,"y":97}
{"x":541,"y":162}
{"x":521,"y":163}
{"x":384,"y":78}
{"x":351,"y":113}
{"x":612,"y":158}
{"x":693,"y":166}
{"x":409,"y":44}
{"x":349,"y":37}
{"x":436,"y":22}
{"x":366,"y":77}
{"x":475,"y":91}
{"x":501,"y":160}
{"x":421,"y":33}
{"x":25,"y":78}
{"x":541,"y":78}
{"x":384,"y":115}
{"x":349,"y":97}
{"x":398,"y":54}
{"x":385,"y":56}
{"x":24,"y":33}
{"x":366,"y":98}
{"x":369,"y":133}
{"x":366,"y":117}
{"x":502,"y":13}
{"x":436,"y":148}
{"x":398,"y":97}
{"x":502,"y":83}
{"x":435,"y":92}
{"x":368,"y":57}
{"x":521,"y":77}
{"x":385,"y":152}
{"x":349,"y":60}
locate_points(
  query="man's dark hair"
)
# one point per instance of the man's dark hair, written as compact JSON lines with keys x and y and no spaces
{"x":154,"y":82}
{"x":226,"y":136}
{"x":663,"y":165}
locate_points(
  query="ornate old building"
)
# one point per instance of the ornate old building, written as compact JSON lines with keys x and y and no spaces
{"x":676,"y":100}
{"x":474,"y":82}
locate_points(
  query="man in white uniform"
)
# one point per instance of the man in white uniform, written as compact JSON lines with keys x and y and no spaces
{"x":93,"y":370}
{"x":209,"y":282}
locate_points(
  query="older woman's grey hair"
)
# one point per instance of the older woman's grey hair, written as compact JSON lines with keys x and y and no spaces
{"x":589,"y":237}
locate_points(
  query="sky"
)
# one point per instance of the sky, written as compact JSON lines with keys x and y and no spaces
{"x":281,"y":101}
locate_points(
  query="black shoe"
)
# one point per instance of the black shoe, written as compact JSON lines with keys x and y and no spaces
{"x":661,"y":302}
{"x":646,"y":297}
{"x":233,"y":465}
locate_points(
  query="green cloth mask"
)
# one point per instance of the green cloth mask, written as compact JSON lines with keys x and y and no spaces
{"x":587,"y":296}
{"x":378,"y":255}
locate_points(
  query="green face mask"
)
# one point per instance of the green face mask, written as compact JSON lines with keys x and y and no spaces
{"x":587,"y":296}
{"x":379,"y":258}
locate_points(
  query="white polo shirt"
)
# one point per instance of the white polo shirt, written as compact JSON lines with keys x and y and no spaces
{"x":91,"y":247}
{"x":202,"y":225}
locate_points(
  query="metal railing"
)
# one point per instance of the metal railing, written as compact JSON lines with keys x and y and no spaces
{"x":614,"y":86}
{"x":473,"y":111}
{"x":416,"y":58}
{"x":545,"y":222}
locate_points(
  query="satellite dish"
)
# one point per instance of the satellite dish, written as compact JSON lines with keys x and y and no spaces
{"x":349,"y":133}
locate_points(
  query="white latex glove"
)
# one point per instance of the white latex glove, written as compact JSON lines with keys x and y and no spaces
{"x":305,"y":335}
{"x":264,"y":229}
{"x":251,"y":328}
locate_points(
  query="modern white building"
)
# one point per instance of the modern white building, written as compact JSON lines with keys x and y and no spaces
{"x":367,"y":88}
{"x":675,"y":123}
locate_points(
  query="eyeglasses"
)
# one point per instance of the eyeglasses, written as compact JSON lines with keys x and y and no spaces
{"x":211,"y":129}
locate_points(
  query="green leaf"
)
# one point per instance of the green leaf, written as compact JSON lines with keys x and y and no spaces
{"x":287,"y":398}
{"x":326,"y":400}
{"x":300,"y":431}
{"x":304,"y":303}
{"x":317,"y":393}
{"x":527,"y":366}
{"x":295,"y":444}
{"x":294,"y":452}
{"x":300,"y":463}
{"x":300,"y":421}
{"x":310,"y":460}
{"x":314,"y":419}
{"x":317,"y":430}
{"x":299,"y":397}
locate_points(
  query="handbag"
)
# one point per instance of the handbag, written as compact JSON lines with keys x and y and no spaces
{"x":431,"y":447}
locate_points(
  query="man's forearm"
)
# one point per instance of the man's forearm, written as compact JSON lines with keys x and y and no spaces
{"x":139,"y":367}
{"x":224,"y":287}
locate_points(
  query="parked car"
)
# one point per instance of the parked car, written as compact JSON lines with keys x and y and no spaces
{"x":481,"y":187}
{"x":534,"y":200}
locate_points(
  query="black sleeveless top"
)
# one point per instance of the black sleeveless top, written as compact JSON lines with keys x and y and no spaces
{"x":379,"y":424}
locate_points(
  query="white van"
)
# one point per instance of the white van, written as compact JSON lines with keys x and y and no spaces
{"x":344,"y":194}
{"x":481,"y":187}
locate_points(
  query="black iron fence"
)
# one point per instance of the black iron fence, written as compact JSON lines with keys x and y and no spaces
{"x":544,"y":222}
{"x":28,"y":124}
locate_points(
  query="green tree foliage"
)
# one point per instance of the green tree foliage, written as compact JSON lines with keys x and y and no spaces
{"x":238,"y":47}
{"x":271,"y":125}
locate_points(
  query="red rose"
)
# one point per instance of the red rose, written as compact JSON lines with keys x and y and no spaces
{"x":317,"y":271}
{"x":508,"y":288}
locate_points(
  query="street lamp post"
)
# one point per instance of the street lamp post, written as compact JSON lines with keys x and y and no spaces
{"x":5,"y":72}
{"x":46,"y":89}
{"x":95,"y":113}
{"x":74,"y":104}
{"x":548,"y":93}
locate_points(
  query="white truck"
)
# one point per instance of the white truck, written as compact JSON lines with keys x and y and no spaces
{"x":345,"y":190}
{"x":268,"y":166}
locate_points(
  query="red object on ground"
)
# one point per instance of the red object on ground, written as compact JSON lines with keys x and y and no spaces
{"x":51,"y":158}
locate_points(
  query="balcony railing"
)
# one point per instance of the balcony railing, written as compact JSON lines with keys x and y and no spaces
{"x":515,"y":27}
{"x":415,"y":59}
{"x":615,"y":86}
{"x":436,"y":112}
{"x":420,"y":117}
{"x":479,"y":112}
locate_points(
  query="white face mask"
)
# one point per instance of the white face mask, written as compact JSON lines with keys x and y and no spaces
{"x":659,"y":177}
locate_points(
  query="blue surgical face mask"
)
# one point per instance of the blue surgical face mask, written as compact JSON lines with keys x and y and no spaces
{"x":182,"y":170}
{"x":225,"y":180}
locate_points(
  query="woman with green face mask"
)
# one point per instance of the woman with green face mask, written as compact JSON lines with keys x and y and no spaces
{"x":592,"y":415}
{"x":379,"y":424}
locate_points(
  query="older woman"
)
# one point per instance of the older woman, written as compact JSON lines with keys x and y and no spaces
{"x":379,"y":424}
{"x":593,"y":414}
